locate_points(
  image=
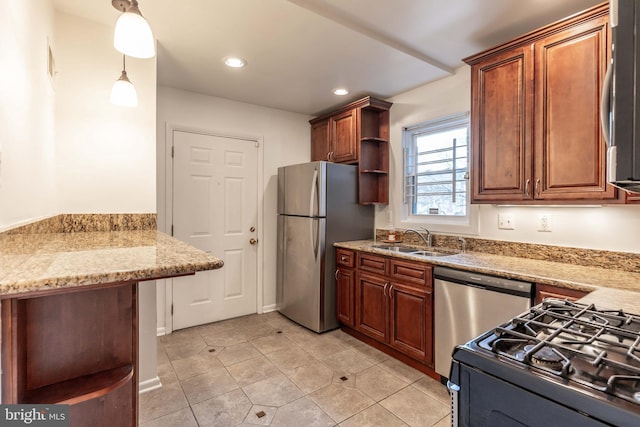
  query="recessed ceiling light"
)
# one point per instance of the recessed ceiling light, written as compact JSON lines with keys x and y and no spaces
{"x":234,"y":61}
{"x":340,"y":91}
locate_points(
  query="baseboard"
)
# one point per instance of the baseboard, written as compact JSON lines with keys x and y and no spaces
{"x":161,"y":331}
{"x":149,"y":385}
{"x":268,"y":308}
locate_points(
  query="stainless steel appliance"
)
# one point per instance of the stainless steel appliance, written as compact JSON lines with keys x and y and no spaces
{"x":317,"y":206}
{"x":467,"y":304}
{"x":558,"y":364}
{"x":620,"y":110}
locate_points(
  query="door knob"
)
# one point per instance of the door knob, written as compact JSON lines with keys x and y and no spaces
{"x":253,"y":241}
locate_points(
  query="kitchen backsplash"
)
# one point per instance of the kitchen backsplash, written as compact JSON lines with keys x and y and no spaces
{"x":626,"y":261}
{"x":73,"y":223}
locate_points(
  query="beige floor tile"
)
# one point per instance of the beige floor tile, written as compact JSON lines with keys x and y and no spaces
{"x":310,"y":377}
{"x":370,"y":352}
{"x":183,"y":336}
{"x":277,"y":390}
{"x":444,"y":422}
{"x":166,"y":374}
{"x":289,"y":358}
{"x":205,"y":386}
{"x":434,"y":389}
{"x":214,"y":328}
{"x":378,"y":383}
{"x":302,"y":412}
{"x":160,"y":402}
{"x":340,"y":402}
{"x":348,"y":361}
{"x":373,"y":416}
{"x":346,"y":379}
{"x":272,"y":343}
{"x":401,"y":370}
{"x":238,"y":353}
{"x":324,"y":347}
{"x":282,"y":323}
{"x":252,"y":370}
{"x":225,"y":410}
{"x":414,"y":407}
{"x":199,"y":364}
{"x":260,"y":415}
{"x":224,"y":338}
{"x":301,"y":336}
{"x":181,"y":418}
{"x":185,"y":350}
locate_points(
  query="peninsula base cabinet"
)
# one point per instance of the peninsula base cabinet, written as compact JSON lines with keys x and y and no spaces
{"x":74,"y":347}
{"x":392,"y":306}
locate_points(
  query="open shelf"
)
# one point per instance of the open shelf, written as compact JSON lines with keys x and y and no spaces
{"x":81,"y":389}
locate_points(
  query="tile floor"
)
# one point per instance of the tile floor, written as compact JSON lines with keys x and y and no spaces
{"x":267,"y":370}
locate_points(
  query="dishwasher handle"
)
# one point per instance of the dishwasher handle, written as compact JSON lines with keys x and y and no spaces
{"x":482,"y":281}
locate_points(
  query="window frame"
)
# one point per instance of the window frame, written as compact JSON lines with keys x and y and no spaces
{"x":467,"y":224}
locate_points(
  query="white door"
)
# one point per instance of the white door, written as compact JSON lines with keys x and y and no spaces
{"x":215,"y":209}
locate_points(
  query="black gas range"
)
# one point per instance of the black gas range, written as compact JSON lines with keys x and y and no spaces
{"x":559,"y":364}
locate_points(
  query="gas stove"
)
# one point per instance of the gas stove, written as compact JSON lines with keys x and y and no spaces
{"x":574,"y":360}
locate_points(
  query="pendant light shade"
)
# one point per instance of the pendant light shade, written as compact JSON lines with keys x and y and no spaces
{"x":123,"y":93}
{"x":133,"y":36}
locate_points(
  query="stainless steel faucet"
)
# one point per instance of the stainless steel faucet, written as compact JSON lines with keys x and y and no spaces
{"x":463,"y":244}
{"x":426,"y":240}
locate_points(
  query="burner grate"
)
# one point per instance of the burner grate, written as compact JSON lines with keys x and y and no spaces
{"x":597,"y":348}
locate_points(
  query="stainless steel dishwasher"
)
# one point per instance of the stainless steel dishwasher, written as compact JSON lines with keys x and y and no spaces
{"x":467,"y":304}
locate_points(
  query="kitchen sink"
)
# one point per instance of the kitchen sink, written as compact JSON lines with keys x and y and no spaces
{"x":409,"y":250}
{"x":396,"y":248}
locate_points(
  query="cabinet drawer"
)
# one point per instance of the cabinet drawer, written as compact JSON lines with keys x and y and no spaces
{"x":415,"y":273}
{"x":372,"y":263}
{"x":345,"y":258}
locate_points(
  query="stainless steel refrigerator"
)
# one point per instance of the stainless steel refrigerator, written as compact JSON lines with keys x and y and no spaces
{"x":317,"y":206}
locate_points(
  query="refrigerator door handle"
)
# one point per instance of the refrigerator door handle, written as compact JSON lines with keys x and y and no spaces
{"x":314,"y":199}
{"x":315,"y":236}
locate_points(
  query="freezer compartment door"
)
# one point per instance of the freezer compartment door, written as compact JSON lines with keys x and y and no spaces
{"x":302,"y":189}
{"x":300,"y":281}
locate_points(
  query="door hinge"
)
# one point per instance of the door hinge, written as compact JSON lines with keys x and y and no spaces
{"x":172,"y":151}
{"x":172,"y":229}
{"x":172,"y":309}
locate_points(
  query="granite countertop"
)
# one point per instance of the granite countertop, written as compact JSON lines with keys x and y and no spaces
{"x":543,"y":272}
{"x":39,"y":262}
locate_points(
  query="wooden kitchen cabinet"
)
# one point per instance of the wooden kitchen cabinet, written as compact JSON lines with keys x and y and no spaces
{"x":357,"y":133}
{"x":535,"y":115}
{"x":394,"y":304}
{"x":345,"y":286}
{"x":548,"y":291}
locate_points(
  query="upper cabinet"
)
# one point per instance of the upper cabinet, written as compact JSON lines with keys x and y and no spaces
{"x":535,"y":115}
{"x":357,"y":133}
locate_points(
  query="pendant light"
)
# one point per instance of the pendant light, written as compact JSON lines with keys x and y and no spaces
{"x":132,"y":36}
{"x":123,"y":93}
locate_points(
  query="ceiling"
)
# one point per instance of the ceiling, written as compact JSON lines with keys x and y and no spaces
{"x":298,"y":51}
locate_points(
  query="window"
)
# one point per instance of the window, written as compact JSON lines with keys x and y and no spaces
{"x":436,"y":168}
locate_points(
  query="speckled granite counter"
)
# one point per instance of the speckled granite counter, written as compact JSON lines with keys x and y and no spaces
{"x":531,"y":270}
{"x":47,"y":261}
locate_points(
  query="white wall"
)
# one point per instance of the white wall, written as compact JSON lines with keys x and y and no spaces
{"x":609,"y":228}
{"x":285,"y":137}
{"x":105,"y":153}
{"x":27,"y":157}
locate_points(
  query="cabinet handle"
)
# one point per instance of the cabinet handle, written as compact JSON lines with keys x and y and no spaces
{"x":329,"y":156}
{"x":343,"y":258}
{"x":336,"y":275}
{"x":384,"y":290}
{"x":526,"y":187}
{"x":537,"y":186}
{"x":391,"y":290}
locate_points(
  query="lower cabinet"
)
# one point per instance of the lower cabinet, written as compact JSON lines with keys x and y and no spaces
{"x":548,"y":291}
{"x":393,"y":303}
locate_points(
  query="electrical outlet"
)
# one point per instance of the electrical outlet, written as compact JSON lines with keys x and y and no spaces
{"x":506,"y":222}
{"x":544,"y":222}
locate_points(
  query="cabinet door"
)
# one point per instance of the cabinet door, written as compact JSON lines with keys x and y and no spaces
{"x":320,"y":145}
{"x":411,"y":325}
{"x":569,"y":146}
{"x":548,"y":291}
{"x":345,"y":293}
{"x":343,"y":137}
{"x":501,"y":126}
{"x":372,"y":306}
